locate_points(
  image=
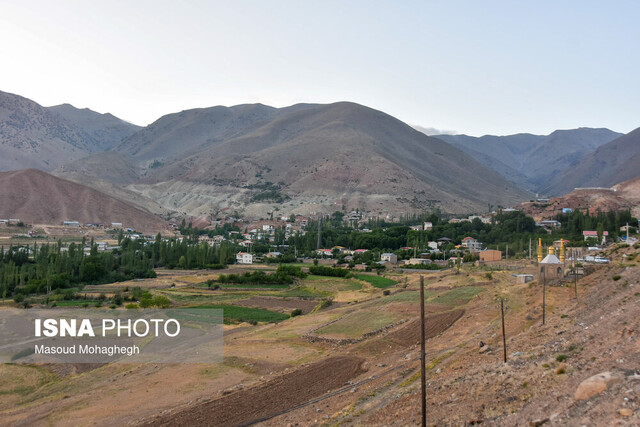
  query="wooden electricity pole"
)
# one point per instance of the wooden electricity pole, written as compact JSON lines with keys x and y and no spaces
{"x":504,"y":336}
{"x":544,"y":291}
{"x":423,"y":362}
{"x":575,"y":274}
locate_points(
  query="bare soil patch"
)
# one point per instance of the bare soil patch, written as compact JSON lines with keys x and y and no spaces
{"x":268,"y":398}
{"x":434,"y":325}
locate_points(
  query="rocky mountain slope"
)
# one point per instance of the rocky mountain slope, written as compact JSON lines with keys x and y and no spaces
{"x":309,"y":158}
{"x":610,"y":164}
{"x":533,"y":161}
{"x":37,"y":197}
{"x":46,"y":138}
{"x":105,"y":130}
{"x":32,"y":136}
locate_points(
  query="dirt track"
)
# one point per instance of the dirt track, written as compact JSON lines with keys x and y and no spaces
{"x":268,"y":398}
{"x":435,"y":324}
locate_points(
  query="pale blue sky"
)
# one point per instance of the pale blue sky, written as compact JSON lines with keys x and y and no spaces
{"x":476,"y":67}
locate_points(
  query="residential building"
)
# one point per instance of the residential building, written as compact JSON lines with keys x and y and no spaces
{"x":417,"y":261}
{"x":594,"y":234}
{"x":490,"y":255}
{"x":471,"y":244}
{"x":244,"y":258}
{"x":389,"y":257}
{"x":324,"y":252}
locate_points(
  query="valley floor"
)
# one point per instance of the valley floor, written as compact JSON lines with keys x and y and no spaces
{"x":357,"y":362}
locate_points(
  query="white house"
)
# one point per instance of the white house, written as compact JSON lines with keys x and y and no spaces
{"x":428,"y":226}
{"x":244,"y":258}
{"x":389,"y":257}
{"x":471,"y":244}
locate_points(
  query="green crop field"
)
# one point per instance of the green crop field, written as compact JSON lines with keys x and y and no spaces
{"x":376,"y":281}
{"x":235,"y":314}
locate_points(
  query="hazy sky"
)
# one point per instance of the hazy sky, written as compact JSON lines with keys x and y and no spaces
{"x":474,"y":67}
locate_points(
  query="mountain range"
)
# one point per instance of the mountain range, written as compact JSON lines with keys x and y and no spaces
{"x":305,"y":158}
{"x":534,"y":162}
{"x":46,"y":138}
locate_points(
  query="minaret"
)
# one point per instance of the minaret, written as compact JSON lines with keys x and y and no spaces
{"x":561,"y":250}
{"x":539,"y":249}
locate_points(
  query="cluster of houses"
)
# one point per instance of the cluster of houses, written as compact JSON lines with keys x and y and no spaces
{"x":77,"y":224}
{"x":10,"y":221}
{"x":469,"y":244}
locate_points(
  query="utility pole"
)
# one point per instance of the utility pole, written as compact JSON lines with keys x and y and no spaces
{"x":507,"y":252}
{"x":575,"y":274}
{"x":423,"y":362}
{"x":544,"y":291}
{"x":529,"y":247}
{"x":504,"y":336}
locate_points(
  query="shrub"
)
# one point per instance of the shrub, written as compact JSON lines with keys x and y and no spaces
{"x":617,"y":277}
{"x":322,"y":270}
{"x":296,"y":312}
{"x":18,"y":298}
{"x":326,"y":303}
{"x":291,"y":270}
{"x":112,"y":306}
{"x":161,"y":301}
{"x":386,"y":292}
{"x":131,"y":306}
{"x":117,"y":299}
{"x":561,"y":357}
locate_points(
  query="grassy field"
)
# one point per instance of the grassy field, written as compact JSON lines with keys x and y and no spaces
{"x":357,"y":324}
{"x":78,"y":303}
{"x":332,"y":284}
{"x":458,"y":296}
{"x":235,"y":314}
{"x":376,"y":281}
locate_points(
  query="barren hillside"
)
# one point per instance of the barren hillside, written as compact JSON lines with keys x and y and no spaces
{"x":32,"y":136}
{"x":106,"y":130}
{"x":532,"y":161}
{"x":36,"y":197}
{"x":307,"y":158}
{"x":610,"y":164}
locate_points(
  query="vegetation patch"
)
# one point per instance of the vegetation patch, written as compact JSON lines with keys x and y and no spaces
{"x":322,"y":270}
{"x":458,"y":296}
{"x":357,"y":324}
{"x":234,"y":314}
{"x":376,"y":281}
